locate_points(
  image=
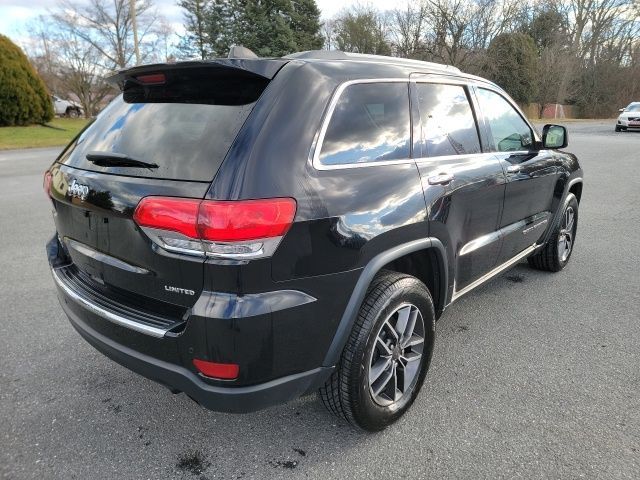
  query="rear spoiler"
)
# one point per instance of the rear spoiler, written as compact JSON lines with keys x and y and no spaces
{"x":261,"y":67}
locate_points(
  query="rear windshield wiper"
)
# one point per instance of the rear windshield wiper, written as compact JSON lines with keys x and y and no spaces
{"x":111,"y":159}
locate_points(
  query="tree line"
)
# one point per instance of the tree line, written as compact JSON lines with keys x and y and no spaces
{"x":580,"y":52}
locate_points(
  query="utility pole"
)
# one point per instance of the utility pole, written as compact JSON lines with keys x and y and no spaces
{"x":134,"y":22}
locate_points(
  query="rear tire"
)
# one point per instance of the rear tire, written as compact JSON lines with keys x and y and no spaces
{"x":556,"y":253}
{"x":381,"y":370}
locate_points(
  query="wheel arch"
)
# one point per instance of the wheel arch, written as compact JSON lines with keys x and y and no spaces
{"x":576,"y":188}
{"x":572,"y":186}
{"x":424,"y":258}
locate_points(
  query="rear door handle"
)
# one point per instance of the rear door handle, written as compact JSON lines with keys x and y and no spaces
{"x":440,"y":179}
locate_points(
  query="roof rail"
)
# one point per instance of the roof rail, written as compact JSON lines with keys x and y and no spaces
{"x":340,"y":55}
{"x":318,"y":55}
{"x":238,"y":51}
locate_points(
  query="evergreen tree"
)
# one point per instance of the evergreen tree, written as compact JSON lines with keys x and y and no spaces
{"x":271,"y":28}
{"x":360,"y":30}
{"x":512,"y":62}
{"x":266,"y":27}
{"x":196,"y":42}
{"x":23,"y":97}
{"x":306,"y":25}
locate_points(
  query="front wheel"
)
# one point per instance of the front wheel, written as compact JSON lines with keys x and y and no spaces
{"x":556,"y":253}
{"x":387,"y":356}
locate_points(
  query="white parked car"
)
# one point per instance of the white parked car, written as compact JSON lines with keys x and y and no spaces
{"x":66,"y":108}
{"x":629,"y":117}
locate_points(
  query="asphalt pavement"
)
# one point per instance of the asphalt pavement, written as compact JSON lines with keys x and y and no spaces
{"x":534,"y":375}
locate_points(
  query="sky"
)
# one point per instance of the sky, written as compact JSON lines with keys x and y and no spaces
{"x":16,"y":14}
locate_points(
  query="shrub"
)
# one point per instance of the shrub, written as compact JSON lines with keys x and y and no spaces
{"x":23,"y":96}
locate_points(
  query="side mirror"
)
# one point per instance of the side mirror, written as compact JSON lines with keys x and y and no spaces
{"x":554,"y":136}
{"x":621,"y":110}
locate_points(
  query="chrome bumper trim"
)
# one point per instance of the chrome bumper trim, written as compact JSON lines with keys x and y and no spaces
{"x":106,"y":314}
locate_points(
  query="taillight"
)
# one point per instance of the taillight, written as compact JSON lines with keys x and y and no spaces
{"x":46,"y":183}
{"x":230,"y":229}
{"x":46,"y":186}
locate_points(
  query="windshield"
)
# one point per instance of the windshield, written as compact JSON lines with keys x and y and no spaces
{"x":634,"y":107}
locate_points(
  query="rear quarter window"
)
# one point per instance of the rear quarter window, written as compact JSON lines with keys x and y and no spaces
{"x":370,"y":123}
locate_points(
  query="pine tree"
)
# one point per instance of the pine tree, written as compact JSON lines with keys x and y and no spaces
{"x":271,"y":28}
{"x":196,"y":43}
{"x":306,"y":25}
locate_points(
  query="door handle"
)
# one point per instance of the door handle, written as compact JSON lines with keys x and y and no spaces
{"x":513,"y":168}
{"x":440,"y":179}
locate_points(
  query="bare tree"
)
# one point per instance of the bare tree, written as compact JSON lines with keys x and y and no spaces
{"x":107,"y":26}
{"x":69,"y":66}
{"x":75,"y":46}
{"x":408,"y":28}
{"x":328,"y":33}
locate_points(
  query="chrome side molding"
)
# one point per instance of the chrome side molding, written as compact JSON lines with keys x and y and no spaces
{"x":487,"y":276}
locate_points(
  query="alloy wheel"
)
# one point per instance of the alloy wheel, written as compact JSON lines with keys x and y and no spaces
{"x":565,"y":238}
{"x":395,"y":361}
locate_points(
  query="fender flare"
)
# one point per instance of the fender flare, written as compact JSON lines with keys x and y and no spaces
{"x":557,"y":214}
{"x":362,"y":285}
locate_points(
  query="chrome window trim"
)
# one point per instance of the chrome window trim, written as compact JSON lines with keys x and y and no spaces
{"x":316,"y":148}
{"x":462,"y":156}
{"x":106,"y":314}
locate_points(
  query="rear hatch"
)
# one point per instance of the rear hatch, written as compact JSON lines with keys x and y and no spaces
{"x":166,"y":134}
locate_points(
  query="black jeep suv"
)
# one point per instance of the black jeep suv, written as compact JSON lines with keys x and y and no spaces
{"x":248,"y":230}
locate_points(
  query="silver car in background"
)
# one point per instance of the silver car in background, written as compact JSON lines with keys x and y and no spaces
{"x":629,"y":117}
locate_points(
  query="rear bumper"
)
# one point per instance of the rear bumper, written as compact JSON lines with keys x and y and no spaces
{"x":177,"y":378}
{"x":273,"y":336}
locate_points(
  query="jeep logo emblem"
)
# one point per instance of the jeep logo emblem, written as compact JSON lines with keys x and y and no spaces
{"x":78,"y":190}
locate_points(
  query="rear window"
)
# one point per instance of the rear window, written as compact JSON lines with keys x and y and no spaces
{"x":184,"y":125}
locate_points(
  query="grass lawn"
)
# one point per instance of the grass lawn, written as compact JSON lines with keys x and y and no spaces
{"x":64,"y":129}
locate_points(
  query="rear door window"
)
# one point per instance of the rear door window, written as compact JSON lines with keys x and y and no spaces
{"x":184,"y":126}
{"x":370,"y":123}
{"x":448,"y":124}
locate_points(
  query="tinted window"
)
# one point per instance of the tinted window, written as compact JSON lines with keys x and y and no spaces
{"x":448,"y":126}
{"x":508,"y":130}
{"x":370,"y":123}
{"x":182,"y":127}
